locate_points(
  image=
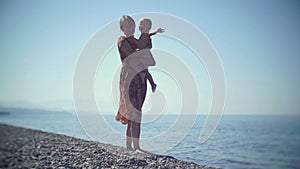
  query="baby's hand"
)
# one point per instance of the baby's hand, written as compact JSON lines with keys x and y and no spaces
{"x":160,"y":30}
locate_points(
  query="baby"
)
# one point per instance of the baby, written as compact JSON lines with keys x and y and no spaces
{"x":144,"y":42}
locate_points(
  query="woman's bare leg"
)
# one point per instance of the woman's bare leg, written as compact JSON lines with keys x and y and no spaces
{"x":129,"y":136}
{"x":136,"y":130}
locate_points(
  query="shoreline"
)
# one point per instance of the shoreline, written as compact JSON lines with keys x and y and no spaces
{"x":28,"y":148}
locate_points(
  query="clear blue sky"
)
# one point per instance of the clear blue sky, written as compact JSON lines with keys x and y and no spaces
{"x":258,"y":43}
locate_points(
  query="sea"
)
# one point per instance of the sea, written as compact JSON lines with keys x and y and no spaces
{"x":239,"y":141}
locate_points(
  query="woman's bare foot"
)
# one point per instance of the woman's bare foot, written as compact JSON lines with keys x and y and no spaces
{"x":138,"y":151}
{"x":129,"y":148}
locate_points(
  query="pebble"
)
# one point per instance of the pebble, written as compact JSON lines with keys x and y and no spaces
{"x":27,"y":148}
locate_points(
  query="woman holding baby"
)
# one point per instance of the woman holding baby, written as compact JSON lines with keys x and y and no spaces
{"x":133,"y":86}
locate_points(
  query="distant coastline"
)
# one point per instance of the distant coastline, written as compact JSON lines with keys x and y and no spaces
{"x":4,"y":113}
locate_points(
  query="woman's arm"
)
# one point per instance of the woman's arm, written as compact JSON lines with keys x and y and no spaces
{"x":125,"y":46}
{"x":140,"y":60}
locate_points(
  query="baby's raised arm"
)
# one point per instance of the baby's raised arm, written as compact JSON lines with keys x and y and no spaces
{"x":159,"y":30}
{"x":145,"y":40}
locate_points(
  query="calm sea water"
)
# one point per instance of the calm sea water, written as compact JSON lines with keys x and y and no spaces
{"x":239,"y":141}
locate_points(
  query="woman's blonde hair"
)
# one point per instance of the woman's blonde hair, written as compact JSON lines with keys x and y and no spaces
{"x":126,"y":19}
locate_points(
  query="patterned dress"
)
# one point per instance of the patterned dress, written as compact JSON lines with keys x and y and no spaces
{"x":132,"y":87}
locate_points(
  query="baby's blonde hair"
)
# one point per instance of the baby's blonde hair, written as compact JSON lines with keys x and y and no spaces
{"x":147,"y":21}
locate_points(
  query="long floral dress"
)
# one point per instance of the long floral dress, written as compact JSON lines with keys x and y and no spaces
{"x":132,"y":92}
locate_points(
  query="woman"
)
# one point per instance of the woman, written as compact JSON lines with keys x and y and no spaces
{"x":132,"y":87}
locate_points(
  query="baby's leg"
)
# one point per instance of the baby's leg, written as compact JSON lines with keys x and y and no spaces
{"x":150,"y":79}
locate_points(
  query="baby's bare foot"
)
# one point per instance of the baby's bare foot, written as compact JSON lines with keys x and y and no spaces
{"x":154,"y":88}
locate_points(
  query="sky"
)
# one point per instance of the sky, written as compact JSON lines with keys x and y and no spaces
{"x":257,"y":42}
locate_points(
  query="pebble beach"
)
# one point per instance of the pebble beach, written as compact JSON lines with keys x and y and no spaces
{"x":27,"y":148}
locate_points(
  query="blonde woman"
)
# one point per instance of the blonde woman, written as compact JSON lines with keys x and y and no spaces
{"x":132,"y":87}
